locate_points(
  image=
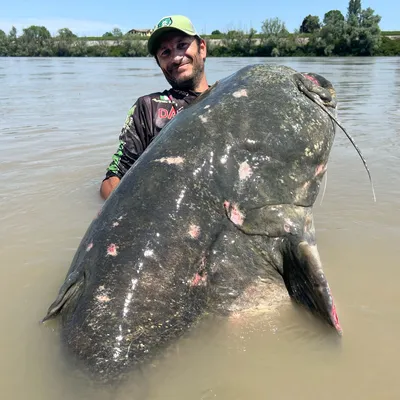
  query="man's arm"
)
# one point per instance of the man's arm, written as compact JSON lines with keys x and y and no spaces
{"x":132,"y":142}
{"x":108,"y":185}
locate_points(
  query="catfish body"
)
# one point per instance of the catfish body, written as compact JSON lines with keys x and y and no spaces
{"x":219,"y":202}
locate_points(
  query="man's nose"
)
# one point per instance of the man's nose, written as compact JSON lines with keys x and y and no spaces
{"x":177,"y":56}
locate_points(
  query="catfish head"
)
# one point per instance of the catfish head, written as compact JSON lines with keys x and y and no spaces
{"x":279,"y":209}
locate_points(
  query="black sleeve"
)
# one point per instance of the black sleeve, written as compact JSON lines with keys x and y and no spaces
{"x":133,"y":140}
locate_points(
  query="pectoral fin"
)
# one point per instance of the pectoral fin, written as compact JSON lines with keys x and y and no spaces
{"x":70,"y":288}
{"x":306,"y":281}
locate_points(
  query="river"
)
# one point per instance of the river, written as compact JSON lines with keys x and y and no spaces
{"x":59,"y":126}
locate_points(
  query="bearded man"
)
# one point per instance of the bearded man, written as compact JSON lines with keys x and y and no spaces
{"x":180,"y":53}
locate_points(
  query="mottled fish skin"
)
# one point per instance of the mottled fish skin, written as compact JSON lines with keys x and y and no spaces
{"x":219,"y":202}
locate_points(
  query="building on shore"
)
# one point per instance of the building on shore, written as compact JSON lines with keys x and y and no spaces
{"x":140,"y":32}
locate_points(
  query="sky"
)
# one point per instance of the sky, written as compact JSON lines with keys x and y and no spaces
{"x":89,"y":17}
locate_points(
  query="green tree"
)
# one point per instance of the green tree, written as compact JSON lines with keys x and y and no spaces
{"x":36,"y":33}
{"x":12,"y":42}
{"x":310,"y":24}
{"x":3,"y":44}
{"x":358,"y":35}
{"x":133,"y":48}
{"x":364,"y":36}
{"x":333,"y":17}
{"x":369,"y":20}
{"x":65,"y":34}
{"x":233,"y":34}
{"x":63,"y":42}
{"x":274,"y":37}
{"x":389,"y":47}
{"x":233,"y":43}
{"x":330,"y":40}
{"x":107,"y":34}
{"x":116,"y":32}
{"x":353,"y":12}
{"x":273,"y":27}
{"x":216,"y":32}
{"x":79,"y":48}
{"x":248,"y":43}
{"x":35,"y":41}
{"x":12,"y":35}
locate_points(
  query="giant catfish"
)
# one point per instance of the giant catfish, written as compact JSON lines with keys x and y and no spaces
{"x":213,"y":217}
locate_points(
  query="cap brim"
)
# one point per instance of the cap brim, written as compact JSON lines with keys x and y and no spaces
{"x":155,"y":37}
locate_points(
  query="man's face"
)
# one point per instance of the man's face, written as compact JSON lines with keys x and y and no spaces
{"x":181,"y":60}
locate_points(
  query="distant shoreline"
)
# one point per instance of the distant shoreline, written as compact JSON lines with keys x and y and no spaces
{"x":237,"y":45}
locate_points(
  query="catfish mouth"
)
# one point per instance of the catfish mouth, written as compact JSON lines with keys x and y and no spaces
{"x":306,"y":282}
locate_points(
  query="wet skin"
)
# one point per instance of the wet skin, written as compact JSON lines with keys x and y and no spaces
{"x":220,"y":203}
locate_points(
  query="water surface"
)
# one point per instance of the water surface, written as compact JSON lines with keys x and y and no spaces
{"x":59,"y":125}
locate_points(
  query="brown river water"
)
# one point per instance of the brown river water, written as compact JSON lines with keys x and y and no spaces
{"x":59,"y":125}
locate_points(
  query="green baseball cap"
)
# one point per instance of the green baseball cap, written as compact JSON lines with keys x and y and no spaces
{"x":168,"y":24}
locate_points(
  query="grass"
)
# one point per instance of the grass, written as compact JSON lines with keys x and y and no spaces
{"x":391,"y":33}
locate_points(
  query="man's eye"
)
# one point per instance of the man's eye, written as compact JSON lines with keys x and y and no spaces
{"x":182,"y":45}
{"x":164,"y":53}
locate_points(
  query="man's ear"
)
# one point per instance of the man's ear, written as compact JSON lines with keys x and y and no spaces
{"x":203,"y":48}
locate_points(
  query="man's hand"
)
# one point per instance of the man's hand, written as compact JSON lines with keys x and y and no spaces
{"x":108,"y":186}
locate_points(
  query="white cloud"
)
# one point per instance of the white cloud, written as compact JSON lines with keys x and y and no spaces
{"x":79,"y":27}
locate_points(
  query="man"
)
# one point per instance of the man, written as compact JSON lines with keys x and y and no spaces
{"x":180,"y":53}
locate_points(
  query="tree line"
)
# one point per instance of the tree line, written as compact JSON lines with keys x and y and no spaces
{"x":356,"y":34}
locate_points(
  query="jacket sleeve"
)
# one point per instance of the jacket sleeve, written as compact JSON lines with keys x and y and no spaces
{"x":133,"y":139}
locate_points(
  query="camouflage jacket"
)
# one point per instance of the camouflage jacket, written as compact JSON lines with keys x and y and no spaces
{"x":144,"y":122}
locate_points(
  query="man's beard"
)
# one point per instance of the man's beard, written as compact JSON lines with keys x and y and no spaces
{"x":187,"y":83}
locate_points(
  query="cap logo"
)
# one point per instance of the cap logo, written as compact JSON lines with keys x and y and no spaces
{"x":164,"y":22}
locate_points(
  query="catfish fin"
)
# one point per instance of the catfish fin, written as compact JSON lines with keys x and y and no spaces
{"x":71,"y":287}
{"x":300,"y":265}
{"x":306,"y":282}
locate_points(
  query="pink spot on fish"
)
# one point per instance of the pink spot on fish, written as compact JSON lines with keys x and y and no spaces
{"x":103,"y":298}
{"x":199,"y":279}
{"x":112,"y":250}
{"x":89,"y":247}
{"x":312,"y":79}
{"x":171,"y":160}
{"x":286,"y":227}
{"x":237,"y":216}
{"x":306,"y":185}
{"x":320,"y":169}
{"x":245,"y":171}
{"x":234,"y":214}
{"x":335,"y":318}
{"x":194,"y":231}
{"x":240,"y":93}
